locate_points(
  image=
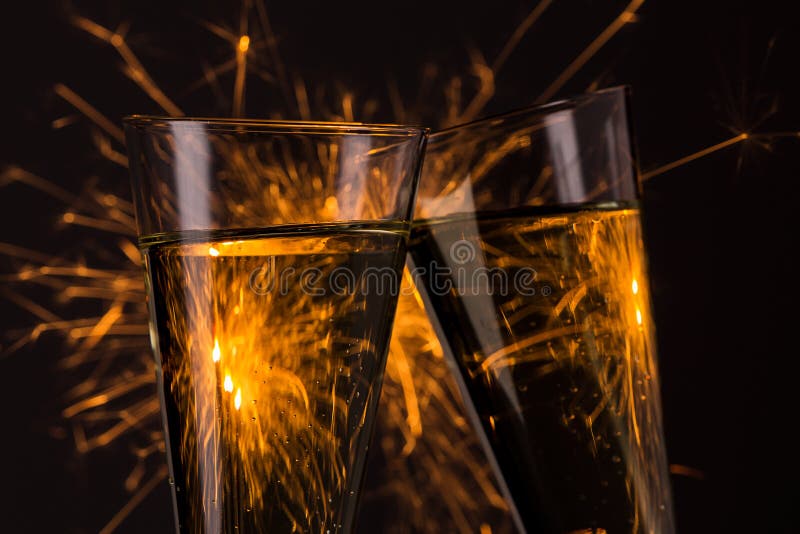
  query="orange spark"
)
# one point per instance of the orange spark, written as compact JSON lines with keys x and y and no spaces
{"x":98,"y":224}
{"x":696,"y":155}
{"x":90,"y":111}
{"x":486,"y":75}
{"x":227,"y":385}
{"x":519,"y":33}
{"x":627,"y":15}
{"x":216,"y":353}
{"x":241,"y":74}
{"x":242,"y":46}
{"x":413,"y":418}
{"x":131,"y":505}
{"x":685,"y":470}
{"x":133,"y":67}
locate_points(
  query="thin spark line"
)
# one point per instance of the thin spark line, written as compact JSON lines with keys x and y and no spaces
{"x":518,"y":34}
{"x":625,"y":17}
{"x":90,"y":111}
{"x":134,"y":68}
{"x":137,"y":498}
{"x":487,"y":74}
{"x":694,"y":156}
{"x":242,"y":46}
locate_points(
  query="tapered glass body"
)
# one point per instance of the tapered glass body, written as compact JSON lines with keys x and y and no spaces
{"x":270,"y":250}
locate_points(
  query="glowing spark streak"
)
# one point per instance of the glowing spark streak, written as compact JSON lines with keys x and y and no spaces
{"x":98,"y":224}
{"x":79,"y":270}
{"x":216,"y":353}
{"x":485,"y":91}
{"x":134,"y":68}
{"x":519,"y":33}
{"x":213,"y":252}
{"x":241,"y":73}
{"x":117,"y":330}
{"x":90,"y":111}
{"x":638,"y":316}
{"x":413,"y":417}
{"x":486,"y":75}
{"x":227,"y":385}
{"x":128,"y":419}
{"x":107,"y":151}
{"x":347,"y":107}
{"x":302,"y":99}
{"x":111,"y":393}
{"x":496,"y":358}
{"x":64,"y":121}
{"x":16,"y":174}
{"x":130,"y":251}
{"x":31,"y":306}
{"x":96,"y":333}
{"x":137,"y":498}
{"x":696,"y":155}
{"x":685,"y":470}
{"x":635,"y":287}
{"x":219,"y":31}
{"x":626,"y":16}
{"x":35,"y":309}
{"x":237,"y":399}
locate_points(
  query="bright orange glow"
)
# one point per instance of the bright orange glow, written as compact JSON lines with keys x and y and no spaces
{"x":244,"y":43}
{"x":213,"y":252}
{"x":227,"y":385}
{"x":237,"y":399}
{"x":332,"y":205}
{"x":638,"y":316}
{"x":216,"y":353}
{"x":635,"y":286}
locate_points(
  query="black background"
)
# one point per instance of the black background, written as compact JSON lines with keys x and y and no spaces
{"x":720,"y":229}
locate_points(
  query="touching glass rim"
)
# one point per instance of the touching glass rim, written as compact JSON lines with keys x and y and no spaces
{"x":544,"y":109}
{"x":157,"y":122}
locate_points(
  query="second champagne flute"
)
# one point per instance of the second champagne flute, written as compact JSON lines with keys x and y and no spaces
{"x":527,"y":250}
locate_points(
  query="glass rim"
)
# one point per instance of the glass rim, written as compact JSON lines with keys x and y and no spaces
{"x":544,"y":109}
{"x":222,"y":124}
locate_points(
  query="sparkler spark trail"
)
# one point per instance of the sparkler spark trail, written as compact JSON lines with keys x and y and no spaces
{"x":427,"y":443}
{"x":627,"y":15}
{"x":133,"y":67}
{"x":694,"y":156}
